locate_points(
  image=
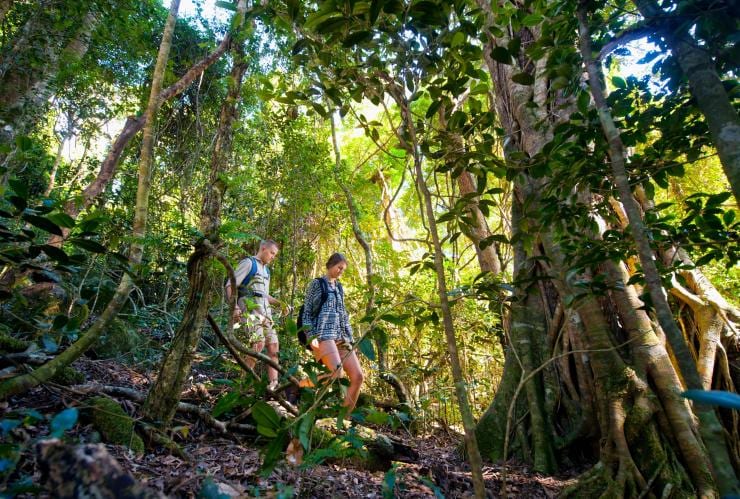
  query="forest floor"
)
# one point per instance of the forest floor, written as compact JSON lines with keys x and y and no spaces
{"x":231,"y":464}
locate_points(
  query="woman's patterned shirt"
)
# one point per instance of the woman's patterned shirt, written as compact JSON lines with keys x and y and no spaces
{"x":332,"y":321}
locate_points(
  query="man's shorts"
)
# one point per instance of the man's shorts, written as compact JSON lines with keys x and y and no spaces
{"x":256,"y":325}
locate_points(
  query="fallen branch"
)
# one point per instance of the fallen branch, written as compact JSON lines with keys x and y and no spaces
{"x":234,"y":346}
{"x":137,"y":396}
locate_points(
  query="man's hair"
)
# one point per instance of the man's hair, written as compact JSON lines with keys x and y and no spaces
{"x":268,"y":242}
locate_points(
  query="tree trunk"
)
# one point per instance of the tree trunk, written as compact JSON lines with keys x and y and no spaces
{"x":461,"y":392}
{"x":163,"y":397}
{"x":710,"y":427}
{"x":47,"y":371}
{"x":5,"y":6}
{"x":606,"y":373}
{"x":707,"y":89}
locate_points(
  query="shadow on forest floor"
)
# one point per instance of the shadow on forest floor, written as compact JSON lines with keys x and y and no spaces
{"x":232,"y":464}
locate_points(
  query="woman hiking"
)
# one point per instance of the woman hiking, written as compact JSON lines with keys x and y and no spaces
{"x":328,"y":329}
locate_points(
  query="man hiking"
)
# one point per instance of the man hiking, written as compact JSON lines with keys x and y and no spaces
{"x":253,"y":310}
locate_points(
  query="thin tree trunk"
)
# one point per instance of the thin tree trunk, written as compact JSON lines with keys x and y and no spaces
{"x":710,"y":427}
{"x":471,"y":444}
{"x":707,"y":89}
{"x":55,"y":166}
{"x":47,"y":371}
{"x":163,"y":397}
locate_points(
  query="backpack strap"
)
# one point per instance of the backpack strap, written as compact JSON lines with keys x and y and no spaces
{"x":242,"y":287}
{"x":324,"y":292}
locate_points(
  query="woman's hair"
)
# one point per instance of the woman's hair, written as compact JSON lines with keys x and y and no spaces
{"x":335,"y":259}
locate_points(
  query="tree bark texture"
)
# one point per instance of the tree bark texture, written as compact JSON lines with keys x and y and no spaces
{"x":163,"y":397}
{"x":47,"y":371}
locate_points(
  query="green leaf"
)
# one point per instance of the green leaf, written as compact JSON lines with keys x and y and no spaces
{"x":457,"y":39}
{"x":294,"y":9}
{"x":532,"y":20}
{"x":298,"y":47}
{"x":226,"y":5}
{"x":43,"y":223}
{"x":266,"y":431}
{"x":62,"y":219}
{"x":366,"y":347}
{"x":523,"y":78}
{"x":389,"y":483}
{"x":304,"y":431}
{"x":619,"y":82}
{"x":227,"y":403}
{"x":88,"y":245}
{"x":375,"y":7}
{"x":64,"y":421}
{"x":55,"y":253}
{"x":320,"y":109}
{"x":356,"y":38}
{"x":583,"y":100}
{"x":500,"y":54}
{"x":433,"y":107}
{"x":265,"y":415}
{"x":273,"y":452}
{"x":19,"y":187}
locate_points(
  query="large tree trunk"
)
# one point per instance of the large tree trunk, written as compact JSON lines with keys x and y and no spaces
{"x":48,"y":370}
{"x":709,"y":426}
{"x":161,"y":403}
{"x":606,"y":373}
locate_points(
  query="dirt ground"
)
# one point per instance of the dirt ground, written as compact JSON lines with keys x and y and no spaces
{"x":229,"y":466}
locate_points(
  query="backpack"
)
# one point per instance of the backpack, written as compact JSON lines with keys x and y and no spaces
{"x":252,"y":272}
{"x":302,"y":336}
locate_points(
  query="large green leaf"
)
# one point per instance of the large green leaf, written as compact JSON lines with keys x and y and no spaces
{"x":88,"y":245}
{"x":265,"y":415}
{"x":366,"y":347}
{"x":43,"y":223}
{"x":523,"y":78}
{"x":62,"y":219}
{"x":500,"y":54}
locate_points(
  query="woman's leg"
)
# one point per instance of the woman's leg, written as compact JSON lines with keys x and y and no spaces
{"x":328,"y":354}
{"x":351,"y":365}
